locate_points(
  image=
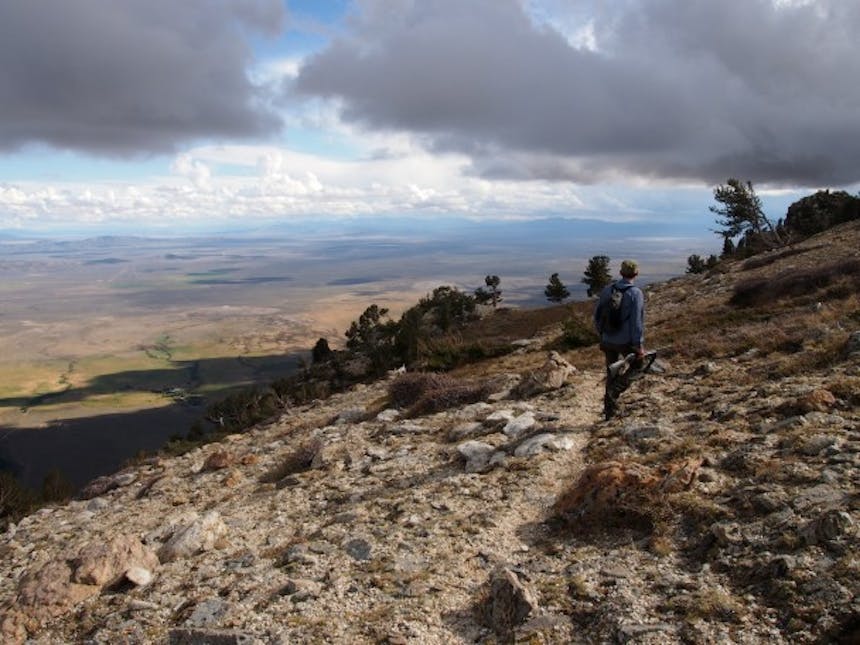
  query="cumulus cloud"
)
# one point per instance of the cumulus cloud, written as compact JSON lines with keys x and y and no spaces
{"x":653,"y":89}
{"x":267,"y":182}
{"x":125,"y":77}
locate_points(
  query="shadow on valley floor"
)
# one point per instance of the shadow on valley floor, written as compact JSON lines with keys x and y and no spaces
{"x":84,"y":448}
{"x":213,"y":373}
{"x":88,"y":447}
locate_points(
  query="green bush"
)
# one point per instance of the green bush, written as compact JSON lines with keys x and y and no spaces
{"x":576,"y":333}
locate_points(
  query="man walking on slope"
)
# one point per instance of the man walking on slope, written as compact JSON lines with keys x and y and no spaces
{"x":620,"y":320}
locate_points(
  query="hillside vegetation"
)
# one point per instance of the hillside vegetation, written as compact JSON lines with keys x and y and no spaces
{"x":492,"y":504}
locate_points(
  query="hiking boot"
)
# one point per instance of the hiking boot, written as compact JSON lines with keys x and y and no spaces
{"x":609,"y":411}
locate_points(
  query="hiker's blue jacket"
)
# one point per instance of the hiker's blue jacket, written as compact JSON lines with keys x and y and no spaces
{"x":632,"y":330}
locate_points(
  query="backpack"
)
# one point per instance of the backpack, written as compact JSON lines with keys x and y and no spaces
{"x":610,"y":314}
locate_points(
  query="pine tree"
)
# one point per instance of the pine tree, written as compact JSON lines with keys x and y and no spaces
{"x":555,"y":291}
{"x":597,"y":274}
{"x":695,"y":264}
{"x":741,"y":213}
{"x":494,"y":295}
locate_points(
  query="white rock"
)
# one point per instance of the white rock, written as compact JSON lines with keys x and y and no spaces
{"x":477,"y":455}
{"x":139,"y":576}
{"x":500,"y":417}
{"x":473,"y":411}
{"x":388,"y":415}
{"x":201,"y":535}
{"x":515,"y":427}
{"x":539,"y":443}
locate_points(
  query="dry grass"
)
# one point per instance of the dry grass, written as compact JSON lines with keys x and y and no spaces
{"x":761,"y":292}
{"x":846,"y":388}
{"x":765,"y":259}
{"x":710,"y":604}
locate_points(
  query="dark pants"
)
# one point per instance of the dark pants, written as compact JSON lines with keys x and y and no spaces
{"x":615,"y":386}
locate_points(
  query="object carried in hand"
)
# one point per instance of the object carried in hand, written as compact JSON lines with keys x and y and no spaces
{"x":622,"y":365}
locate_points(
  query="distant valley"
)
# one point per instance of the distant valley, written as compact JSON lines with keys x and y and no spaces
{"x":109,"y":345}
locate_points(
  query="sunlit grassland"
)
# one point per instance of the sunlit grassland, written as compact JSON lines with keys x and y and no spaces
{"x":152,"y":375}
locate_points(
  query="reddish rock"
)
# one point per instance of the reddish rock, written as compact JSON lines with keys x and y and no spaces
{"x":106,"y":563}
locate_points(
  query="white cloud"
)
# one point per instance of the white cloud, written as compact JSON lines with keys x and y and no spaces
{"x":198,"y":172}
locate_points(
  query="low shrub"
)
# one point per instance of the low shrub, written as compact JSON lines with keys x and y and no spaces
{"x":297,"y":460}
{"x":575,"y":332}
{"x":452,"y":396}
{"x":764,"y":259}
{"x":406,"y":389}
{"x":15,"y":500}
{"x":798,"y":282}
{"x":426,"y":393}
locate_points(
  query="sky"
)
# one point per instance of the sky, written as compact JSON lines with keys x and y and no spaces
{"x":211,"y":114}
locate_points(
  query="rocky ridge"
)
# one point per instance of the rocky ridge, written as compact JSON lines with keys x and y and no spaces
{"x":721,"y":505}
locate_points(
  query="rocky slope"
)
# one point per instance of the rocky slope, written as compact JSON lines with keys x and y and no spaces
{"x":721,"y":505}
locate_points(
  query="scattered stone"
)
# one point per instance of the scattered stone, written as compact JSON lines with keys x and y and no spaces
{"x":391,"y":414}
{"x":509,"y":602}
{"x":208,"y":613}
{"x":466,"y":431}
{"x":817,"y":444}
{"x":542,"y":442}
{"x":210,"y":637}
{"x":635,"y":632}
{"x":832,"y":525}
{"x":98,"y":504}
{"x":477,"y":455}
{"x":358,"y":549}
{"x":351,"y":415}
{"x":142,"y":605}
{"x":518,"y":425}
{"x":473,"y":410}
{"x":139,"y":576}
{"x":301,"y":589}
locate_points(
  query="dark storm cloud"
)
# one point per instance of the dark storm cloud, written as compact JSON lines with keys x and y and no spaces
{"x":123,"y":77}
{"x":675,"y":88}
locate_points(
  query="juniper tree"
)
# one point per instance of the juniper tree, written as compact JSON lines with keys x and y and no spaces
{"x":555,"y":291}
